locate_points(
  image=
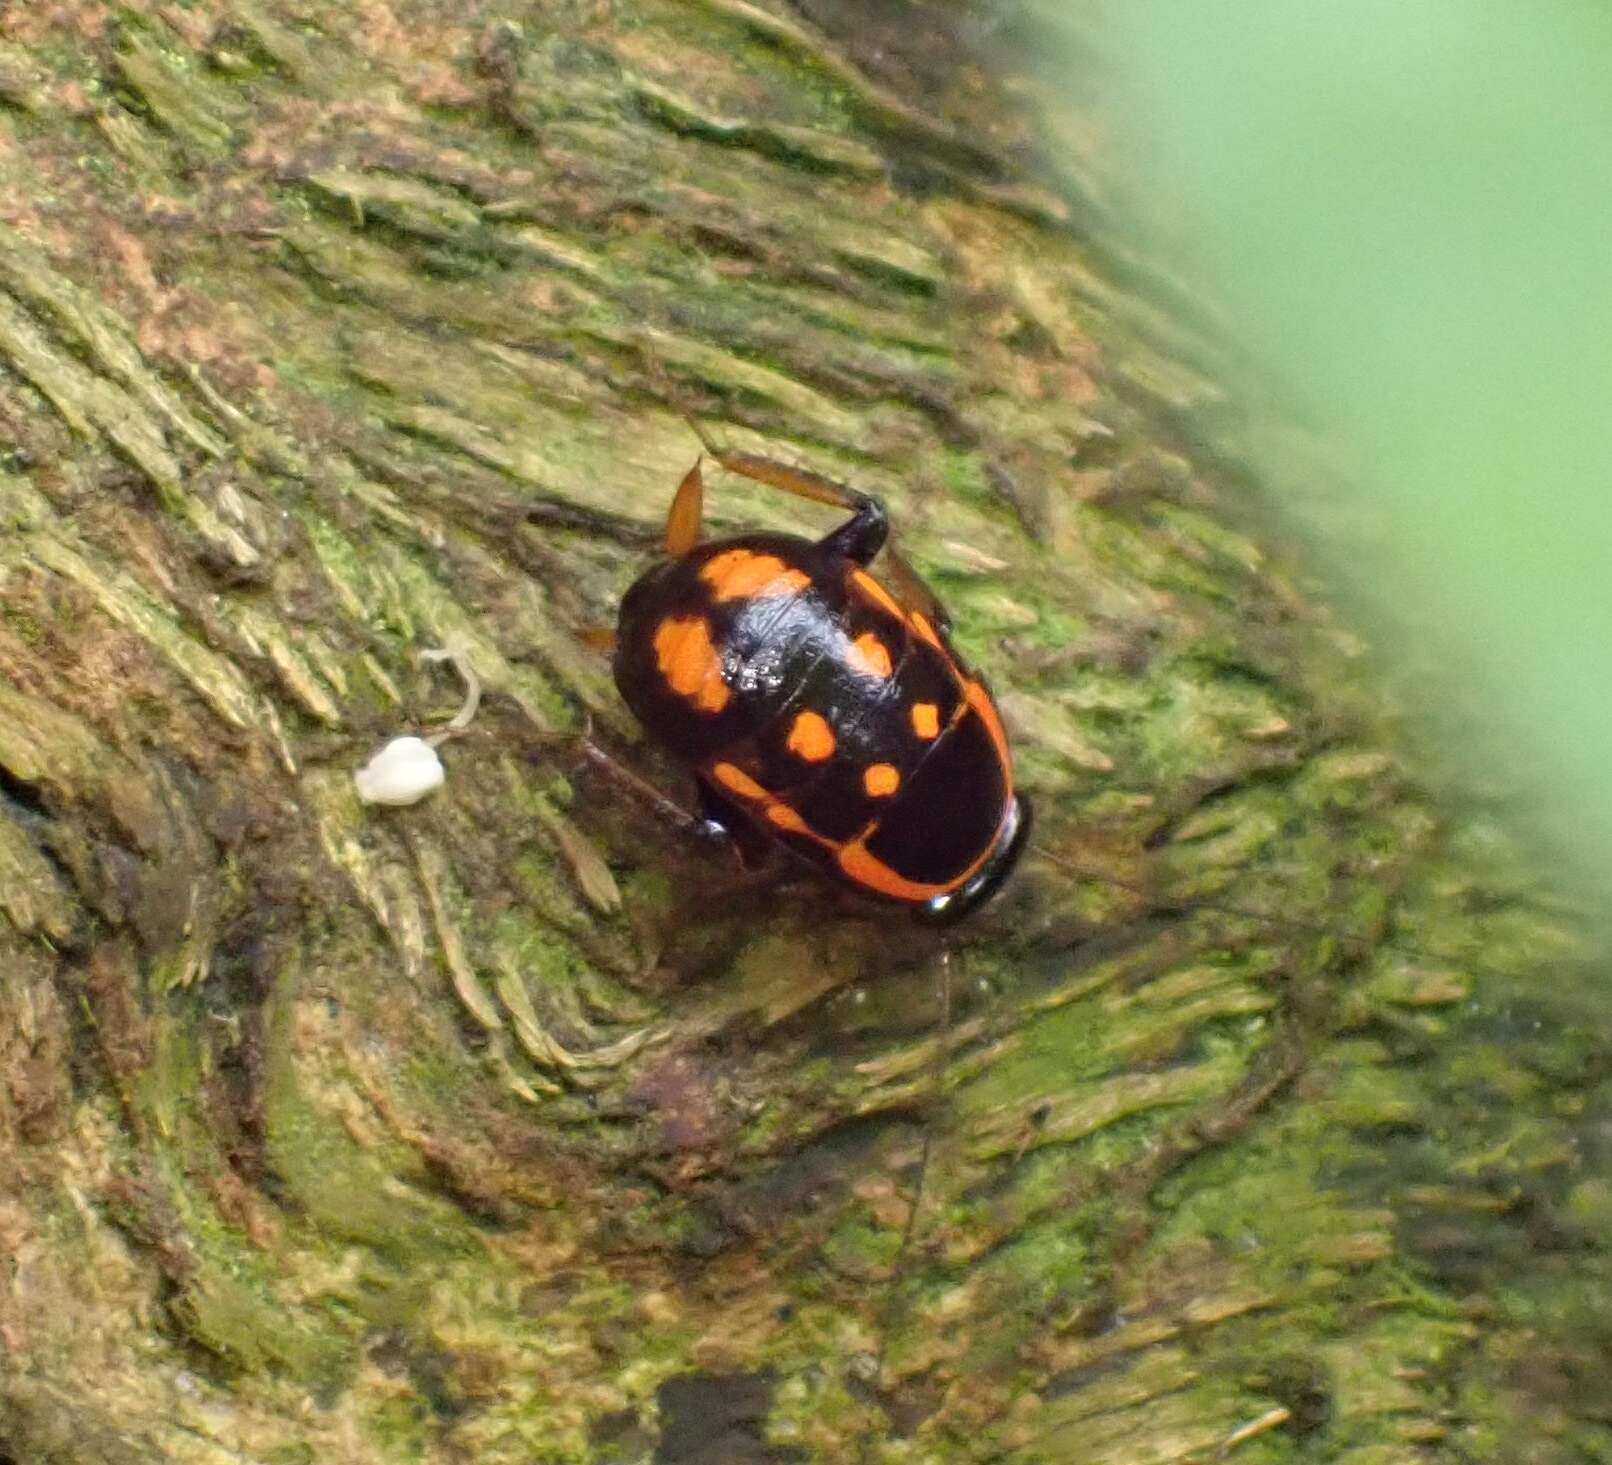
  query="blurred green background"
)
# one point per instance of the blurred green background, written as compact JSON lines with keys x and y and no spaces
{"x":1404,"y":213}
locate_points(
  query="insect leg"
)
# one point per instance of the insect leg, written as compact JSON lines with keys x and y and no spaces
{"x":668,"y":811}
{"x":688,"y":507}
{"x":909,"y":1230}
{"x":598,"y":638}
{"x":903,"y":581}
{"x":753,"y":847}
{"x":858,"y":539}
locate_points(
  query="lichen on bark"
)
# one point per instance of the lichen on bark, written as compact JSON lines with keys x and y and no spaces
{"x":504,"y":1127}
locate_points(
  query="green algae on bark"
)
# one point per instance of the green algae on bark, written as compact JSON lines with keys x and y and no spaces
{"x":505,"y":1127}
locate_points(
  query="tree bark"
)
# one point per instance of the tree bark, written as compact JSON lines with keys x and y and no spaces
{"x":505,"y":1127}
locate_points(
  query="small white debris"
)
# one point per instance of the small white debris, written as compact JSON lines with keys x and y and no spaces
{"x":407,"y":768}
{"x":403,"y":772}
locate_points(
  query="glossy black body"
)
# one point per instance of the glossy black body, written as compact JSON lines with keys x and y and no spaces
{"x":808,"y":641}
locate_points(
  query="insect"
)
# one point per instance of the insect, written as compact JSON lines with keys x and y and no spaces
{"x":817,"y":707}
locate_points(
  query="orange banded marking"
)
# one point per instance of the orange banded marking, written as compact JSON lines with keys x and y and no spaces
{"x":786,"y":818}
{"x":921,"y":624}
{"x":880,"y":780}
{"x":980,"y":700}
{"x":737,"y":573}
{"x":689,"y":661}
{"x":811,"y":738}
{"x":736,"y":780}
{"x":777,"y":813}
{"x":876,"y":592}
{"x":926,"y":720}
{"x":870,"y":655}
{"x":869,"y":870}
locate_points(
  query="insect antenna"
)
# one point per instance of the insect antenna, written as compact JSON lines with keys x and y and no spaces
{"x":909,"y":1230}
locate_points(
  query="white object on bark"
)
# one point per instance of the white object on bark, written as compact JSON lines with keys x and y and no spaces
{"x":403,"y":772}
{"x":408,"y":768}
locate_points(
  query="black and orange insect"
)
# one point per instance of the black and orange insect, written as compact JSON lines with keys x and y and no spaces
{"x":818,"y":707}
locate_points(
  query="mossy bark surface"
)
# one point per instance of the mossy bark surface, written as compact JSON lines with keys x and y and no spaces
{"x":507,"y":1127}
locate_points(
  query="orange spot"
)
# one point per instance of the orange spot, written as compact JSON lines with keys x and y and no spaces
{"x":811,"y":738}
{"x":738,"y":781}
{"x":870,"y":655}
{"x":737,"y":573}
{"x":786,"y":818}
{"x":921,"y":625}
{"x":881,"y":780}
{"x":689,"y":662}
{"x":875,"y":591}
{"x":926,"y":720}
